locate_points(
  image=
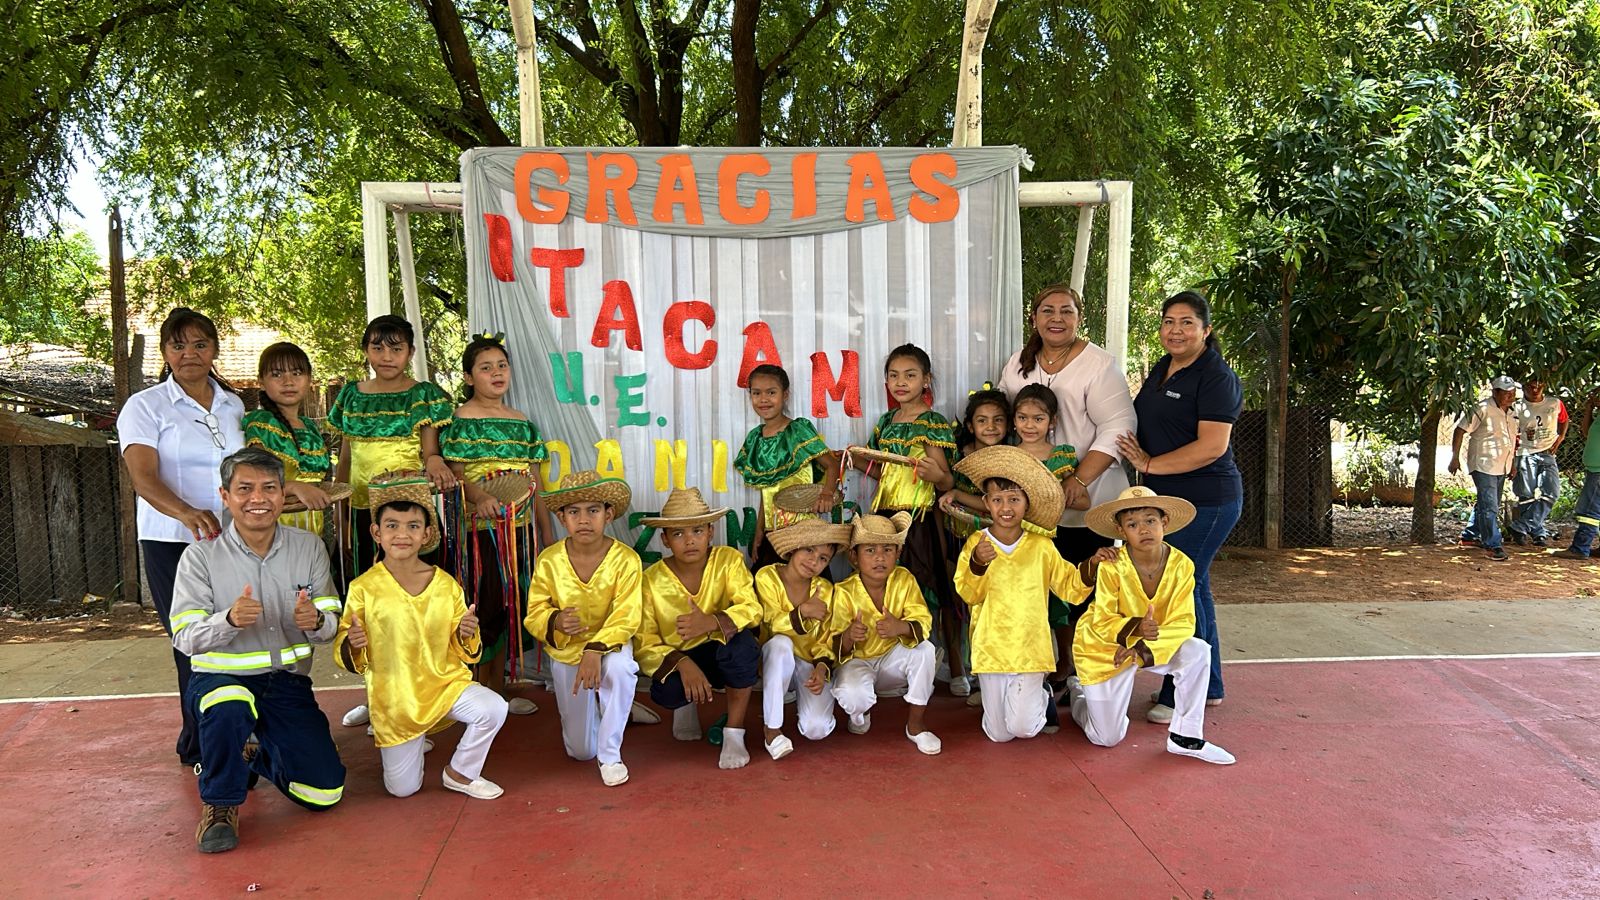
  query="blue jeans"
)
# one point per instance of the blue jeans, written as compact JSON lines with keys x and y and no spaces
{"x":1588,"y":514}
{"x":1485,"y":525}
{"x":1200,"y":541}
{"x":1536,"y":483}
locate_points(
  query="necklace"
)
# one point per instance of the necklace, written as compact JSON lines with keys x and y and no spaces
{"x":1050,"y":377}
{"x":1160,"y":566}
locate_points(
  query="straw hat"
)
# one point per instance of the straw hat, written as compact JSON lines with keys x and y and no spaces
{"x":1045,"y":500}
{"x":417,"y":489}
{"x":875,"y":529}
{"x":512,"y":487}
{"x":798,"y":498}
{"x":684,"y":508}
{"x":808,"y":533}
{"x":588,"y":485}
{"x":1103,"y":518}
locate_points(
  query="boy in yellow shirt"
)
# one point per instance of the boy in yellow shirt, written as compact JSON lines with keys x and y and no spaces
{"x":584,"y":603}
{"x":886,"y":645}
{"x":408,"y":629}
{"x":1008,"y":574}
{"x":804,"y":621}
{"x":694,"y":638}
{"x":1142,"y":616}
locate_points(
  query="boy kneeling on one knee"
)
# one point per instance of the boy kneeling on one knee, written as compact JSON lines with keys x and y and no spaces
{"x":1007,"y":575}
{"x":1142,"y":616}
{"x":886,"y":645}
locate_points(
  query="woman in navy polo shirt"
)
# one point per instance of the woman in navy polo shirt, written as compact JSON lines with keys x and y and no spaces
{"x":1187,"y":407}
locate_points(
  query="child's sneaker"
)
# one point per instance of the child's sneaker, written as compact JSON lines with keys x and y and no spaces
{"x":1206,"y":752}
{"x":613,"y":774}
{"x":1498,"y":554}
{"x":686,"y":723}
{"x":859,"y":723}
{"x":961,"y":686}
{"x":357,"y":716}
{"x":780,"y":746}
{"x":1159,"y":714}
{"x":927,"y":742}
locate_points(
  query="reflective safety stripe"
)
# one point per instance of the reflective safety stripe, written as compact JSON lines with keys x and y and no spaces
{"x":1587,"y":520}
{"x":318,"y":796}
{"x":326,"y":604}
{"x":229,"y":692}
{"x":186,"y":618}
{"x":261,"y":659}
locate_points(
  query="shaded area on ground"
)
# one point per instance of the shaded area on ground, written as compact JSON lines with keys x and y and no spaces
{"x":1395,"y":573}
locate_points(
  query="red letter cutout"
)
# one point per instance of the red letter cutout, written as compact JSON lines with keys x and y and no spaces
{"x":616,"y":311}
{"x":945,"y":201}
{"x":558,"y":262}
{"x":758,"y":349}
{"x":867,"y":182}
{"x":672,"y":333}
{"x":603,"y":183}
{"x":847,"y":387}
{"x":501,"y":252}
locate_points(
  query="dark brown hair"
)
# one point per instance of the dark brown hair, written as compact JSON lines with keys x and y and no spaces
{"x":286,"y":356}
{"x":469,"y":358}
{"x":180,"y":322}
{"x":1028,"y":358}
{"x":1195,"y":301}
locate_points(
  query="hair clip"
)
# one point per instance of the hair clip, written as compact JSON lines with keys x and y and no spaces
{"x":499,"y":337}
{"x":987,"y":386}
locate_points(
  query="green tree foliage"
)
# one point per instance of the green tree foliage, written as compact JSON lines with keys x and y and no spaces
{"x":1425,"y":214}
{"x":49,"y":299}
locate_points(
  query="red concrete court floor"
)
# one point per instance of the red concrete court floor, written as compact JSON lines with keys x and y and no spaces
{"x":1470,"y":778}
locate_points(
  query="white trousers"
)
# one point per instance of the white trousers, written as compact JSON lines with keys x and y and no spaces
{"x":780,"y":668}
{"x":1101,"y":710}
{"x":1013,"y":705}
{"x":483,"y":712}
{"x":592,"y":721}
{"x":858,"y":681}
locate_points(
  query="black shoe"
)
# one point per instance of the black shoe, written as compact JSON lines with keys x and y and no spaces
{"x":1518,"y":538}
{"x":1540,"y":542}
{"x":219,"y":829}
{"x":1499,"y":554}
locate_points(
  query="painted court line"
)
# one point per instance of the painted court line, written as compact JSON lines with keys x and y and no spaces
{"x":67,"y":698}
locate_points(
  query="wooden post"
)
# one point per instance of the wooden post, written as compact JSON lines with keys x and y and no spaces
{"x":969,"y":81}
{"x":127,"y":376}
{"x":1278,"y":421}
{"x":529,"y":104}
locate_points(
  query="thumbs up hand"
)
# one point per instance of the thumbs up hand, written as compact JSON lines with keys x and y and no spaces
{"x":814,"y":608}
{"x":305,"y":613}
{"x":984,"y":553}
{"x":469,"y":623}
{"x":858,"y":629}
{"x":357,"y":636}
{"x":246,"y":610}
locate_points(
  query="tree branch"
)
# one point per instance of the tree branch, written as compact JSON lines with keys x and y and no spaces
{"x":456,"y":53}
{"x":824,"y":8}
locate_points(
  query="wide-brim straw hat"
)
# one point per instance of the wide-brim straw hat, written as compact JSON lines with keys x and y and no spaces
{"x":1045,"y":500}
{"x":875,"y":529}
{"x":1103,"y":518}
{"x":589,"y":485}
{"x":415,"y":488}
{"x":808,"y":533}
{"x":336,"y":491}
{"x":685,"y":508}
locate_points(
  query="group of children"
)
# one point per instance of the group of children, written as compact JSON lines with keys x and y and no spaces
{"x":699,"y":621}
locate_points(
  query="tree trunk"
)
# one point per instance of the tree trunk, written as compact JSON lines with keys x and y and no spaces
{"x":1422,"y":497}
{"x":748,"y":79}
{"x":1278,"y":420}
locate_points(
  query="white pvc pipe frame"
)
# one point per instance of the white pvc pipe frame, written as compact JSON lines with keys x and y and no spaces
{"x":400,"y":198}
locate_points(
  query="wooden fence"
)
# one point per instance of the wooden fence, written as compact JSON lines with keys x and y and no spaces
{"x":60,"y":538}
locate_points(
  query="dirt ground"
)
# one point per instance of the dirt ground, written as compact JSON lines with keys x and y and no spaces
{"x":1371,"y":562}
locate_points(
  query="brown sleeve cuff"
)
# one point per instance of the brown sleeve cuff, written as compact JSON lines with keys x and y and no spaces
{"x":917,"y":636}
{"x":1130,"y":628}
{"x":978,"y":568}
{"x":797,"y":621}
{"x":1146,"y":658}
{"x":598,"y":647}
{"x":550,"y":630}
{"x":668,"y":665}
{"x":826,"y":665}
{"x":725,"y":624}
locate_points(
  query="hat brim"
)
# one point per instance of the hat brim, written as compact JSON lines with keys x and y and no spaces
{"x":413,"y":490}
{"x":613,"y":492}
{"x":1046,"y":502}
{"x":861,"y":536}
{"x":336,"y":491}
{"x":809,"y":533}
{"x":1102,"y":520}
{"x":705,"y":518}
{"x":798,"y":498}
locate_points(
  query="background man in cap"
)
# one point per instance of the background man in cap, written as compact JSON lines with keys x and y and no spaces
{"x":1492,"y":425}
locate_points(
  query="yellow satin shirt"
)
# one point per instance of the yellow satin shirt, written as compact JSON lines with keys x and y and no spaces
{"x":608,"y":603}
{"x":902,"y":597}
{"x":725,"y":592}
{"x":813,"y":638}
{"x":1013,"y":634}
{"x":1120,"y":601}
{"x":415,"y":662}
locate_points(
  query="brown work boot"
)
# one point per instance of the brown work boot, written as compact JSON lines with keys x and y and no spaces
{"x":219,"y":829}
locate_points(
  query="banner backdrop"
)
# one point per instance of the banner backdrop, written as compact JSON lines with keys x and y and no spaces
{"x":637,"y":287}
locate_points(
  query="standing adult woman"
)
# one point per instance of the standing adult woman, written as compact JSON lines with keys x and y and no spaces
{"x":174,"y":437}
{"x":1187,"y":407}
{"x":1094,"y":407}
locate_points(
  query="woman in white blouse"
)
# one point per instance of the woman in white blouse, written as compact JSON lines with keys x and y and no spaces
{"x":174,"y":436}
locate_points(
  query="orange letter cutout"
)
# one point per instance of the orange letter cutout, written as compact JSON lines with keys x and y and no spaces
{"x":602,"y":184}
{"x":728,"y":189}
{"x":867,"y":182}
{"x":522,"y":181}
{"x":946,"y":201}
{"x":677,"y":188}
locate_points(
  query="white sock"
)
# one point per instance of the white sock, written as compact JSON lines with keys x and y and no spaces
{"x":686,"y":723}
{"x":734,"y":755}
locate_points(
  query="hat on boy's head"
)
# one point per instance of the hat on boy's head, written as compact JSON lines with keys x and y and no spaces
{"x":807,"y":533}
{"x":1503,"y":383}
{"x":392,"y":487}
{"x":875,"y":529}
{"x":684,"y":509}
{"x":588,"y":486}
{"x":1045,"y":500}
{"x":1102,"y":520}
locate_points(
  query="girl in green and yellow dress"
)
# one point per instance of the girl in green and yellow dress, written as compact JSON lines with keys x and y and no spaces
{"x":280,"y":428}
{"x":486,"y":438}
{"x":778,"y":453}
